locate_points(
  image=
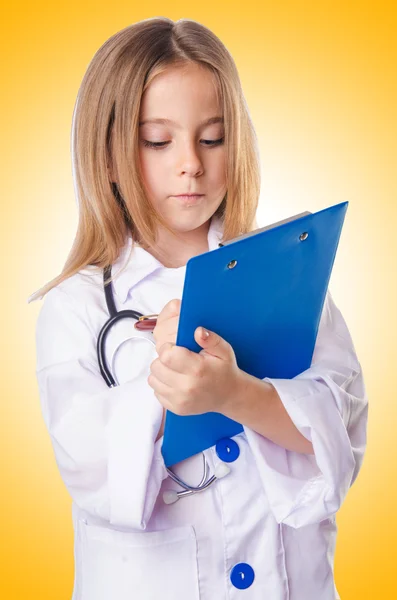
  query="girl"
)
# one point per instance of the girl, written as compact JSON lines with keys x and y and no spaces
{"x":166,"y":167}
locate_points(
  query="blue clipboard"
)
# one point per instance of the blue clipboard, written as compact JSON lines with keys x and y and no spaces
{"x":279,"y":280}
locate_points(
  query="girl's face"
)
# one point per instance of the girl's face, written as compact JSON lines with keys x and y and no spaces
{"x":189,"y":152}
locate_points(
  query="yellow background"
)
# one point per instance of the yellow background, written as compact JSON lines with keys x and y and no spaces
{"x":320,"y":82}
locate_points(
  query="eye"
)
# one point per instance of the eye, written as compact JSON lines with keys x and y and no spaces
{"x":213,"y":142}
{"x":159,"y":145}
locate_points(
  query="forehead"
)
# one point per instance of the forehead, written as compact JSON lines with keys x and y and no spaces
{"x":181,"y":93}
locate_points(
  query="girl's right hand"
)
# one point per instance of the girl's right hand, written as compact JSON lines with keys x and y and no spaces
{"x":167,"y":324}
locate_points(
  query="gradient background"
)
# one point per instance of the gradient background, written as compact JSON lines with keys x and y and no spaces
{"x":320,"y":82}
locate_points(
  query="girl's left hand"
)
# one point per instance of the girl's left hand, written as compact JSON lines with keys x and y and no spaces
{"x":190,"y":383}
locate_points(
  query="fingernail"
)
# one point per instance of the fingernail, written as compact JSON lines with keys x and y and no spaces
{"x":204,"y":333}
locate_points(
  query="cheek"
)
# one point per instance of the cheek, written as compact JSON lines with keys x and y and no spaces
{"x":152,"y":170}
{"x":217,"y":170}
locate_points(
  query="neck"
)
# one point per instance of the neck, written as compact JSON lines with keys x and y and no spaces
{"x":174,"y":252}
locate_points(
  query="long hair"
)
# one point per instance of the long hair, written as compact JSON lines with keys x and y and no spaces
{"x":104,"y":135}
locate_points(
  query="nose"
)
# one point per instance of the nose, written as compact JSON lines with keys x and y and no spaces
{"x":190,"y":161}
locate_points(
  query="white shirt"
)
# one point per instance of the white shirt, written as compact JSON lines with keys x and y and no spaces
{"x":274,"y":512}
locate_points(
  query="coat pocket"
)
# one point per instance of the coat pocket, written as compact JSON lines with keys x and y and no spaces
{"x":137,"y":566}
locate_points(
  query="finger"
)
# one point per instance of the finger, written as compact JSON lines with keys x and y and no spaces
{"x":166,"y":325}
{"x":213,"y":344}
{"x":169,"y":339}
{"x":170,"y":326}
{"x":166,"y":330}
{"x":159,"y":387}
{"x":164,"y":374}
{"x":171,"y":309}
{"x":180,"y":359}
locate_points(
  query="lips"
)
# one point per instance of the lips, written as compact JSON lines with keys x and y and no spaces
{"x":189,"y":199}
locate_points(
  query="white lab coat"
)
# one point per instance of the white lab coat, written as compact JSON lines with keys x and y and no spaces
{"x":275,"y":511}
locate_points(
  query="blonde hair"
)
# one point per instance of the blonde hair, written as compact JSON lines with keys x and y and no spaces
{"x":105,"y":135}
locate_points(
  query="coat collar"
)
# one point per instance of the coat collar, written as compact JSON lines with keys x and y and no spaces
{"x":142,"y":263}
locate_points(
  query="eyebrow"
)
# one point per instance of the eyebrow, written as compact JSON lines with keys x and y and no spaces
{"x":209,"y":121}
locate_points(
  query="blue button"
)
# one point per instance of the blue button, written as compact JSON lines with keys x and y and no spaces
{"x":242,"y":576}
{"x":227,"y":450}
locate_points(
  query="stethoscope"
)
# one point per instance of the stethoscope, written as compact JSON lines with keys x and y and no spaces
{"x":169,"y":496}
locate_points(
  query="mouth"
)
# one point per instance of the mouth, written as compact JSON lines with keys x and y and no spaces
{"x":187,"y":195}
{"x":189,"y":199}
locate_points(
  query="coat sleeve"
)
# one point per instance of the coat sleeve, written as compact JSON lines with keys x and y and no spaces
{"x":103,"y":438}
{"x":328,"y":405}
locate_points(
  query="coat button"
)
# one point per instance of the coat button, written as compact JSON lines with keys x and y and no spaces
{"x":227,"y":450}
{"x":242,"y":576}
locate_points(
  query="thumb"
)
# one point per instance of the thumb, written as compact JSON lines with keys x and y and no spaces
{"x":212,"y":343}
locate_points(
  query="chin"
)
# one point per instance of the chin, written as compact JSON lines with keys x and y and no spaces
{"x":188,"y":220}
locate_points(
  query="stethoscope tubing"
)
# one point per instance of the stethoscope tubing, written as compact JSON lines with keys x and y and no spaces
{"x":116,"y":316}
{"x":201,"y":486}
{"x":105,"y":371}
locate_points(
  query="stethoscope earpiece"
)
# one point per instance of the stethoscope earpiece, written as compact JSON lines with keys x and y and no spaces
{"x":222,"y":470}
{"x":170,"y":496}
